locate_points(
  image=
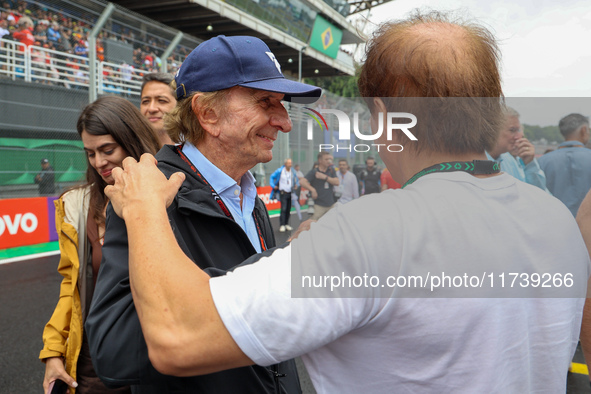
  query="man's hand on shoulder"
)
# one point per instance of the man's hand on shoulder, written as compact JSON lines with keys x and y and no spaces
{"x":304,"y":226}
{"x":141,"y":185}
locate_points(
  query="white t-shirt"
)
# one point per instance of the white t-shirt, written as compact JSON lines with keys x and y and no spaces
{"x":444,"y":223}
{"x":285,"y":180}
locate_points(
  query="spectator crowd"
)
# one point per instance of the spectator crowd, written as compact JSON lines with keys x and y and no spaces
{"x":54,"y":29}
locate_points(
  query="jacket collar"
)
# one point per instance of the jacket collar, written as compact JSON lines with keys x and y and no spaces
{"x":194,"y":194}
{"x":567,"y":144}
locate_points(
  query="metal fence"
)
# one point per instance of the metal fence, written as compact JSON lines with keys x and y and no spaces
{"x":51,"y":67}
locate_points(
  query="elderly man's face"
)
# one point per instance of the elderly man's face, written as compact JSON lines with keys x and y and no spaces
{"x":509,"y":135}
{"x":250,"y":127}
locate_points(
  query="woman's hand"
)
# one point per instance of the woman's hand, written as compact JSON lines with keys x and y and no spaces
{"x":54,"y":369}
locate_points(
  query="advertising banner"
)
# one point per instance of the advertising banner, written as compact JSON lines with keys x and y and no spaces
{"x":31,"y":221}
{"x":24,"y":222}
{"x":264,"y":193}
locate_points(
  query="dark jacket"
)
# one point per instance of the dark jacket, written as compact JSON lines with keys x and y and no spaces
{"x":46,"y":182}
{"x":216,"y":244}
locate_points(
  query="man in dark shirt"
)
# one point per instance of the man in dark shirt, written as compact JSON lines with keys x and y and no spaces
{"x":45,"y":179}
{"x":369,"y":178}
{"x":320,"y":181}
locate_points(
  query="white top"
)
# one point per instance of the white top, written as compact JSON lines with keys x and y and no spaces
{"x":285,"y":180}
{"x":444,"y":223}
{"x":348,"y":186}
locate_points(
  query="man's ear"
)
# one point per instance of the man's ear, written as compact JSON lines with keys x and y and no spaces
{"x":379,"y":110}
{"x":207,"y":117}
{"x":379,"y":105}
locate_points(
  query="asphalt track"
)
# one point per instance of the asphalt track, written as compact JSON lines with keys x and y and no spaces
{"x":28,"y":293}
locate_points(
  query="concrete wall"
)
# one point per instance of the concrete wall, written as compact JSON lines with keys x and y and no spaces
{"x":34,"y":110}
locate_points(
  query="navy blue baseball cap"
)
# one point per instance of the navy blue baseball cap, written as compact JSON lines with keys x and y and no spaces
{"x":224,"y":62}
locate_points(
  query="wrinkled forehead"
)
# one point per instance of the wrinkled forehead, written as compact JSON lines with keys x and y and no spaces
{"x":513,"y":124}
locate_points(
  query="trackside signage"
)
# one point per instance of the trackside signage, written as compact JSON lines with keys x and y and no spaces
{"x":31,"y":221}
{"x":264,"y":193}
{"x":23,"y":222}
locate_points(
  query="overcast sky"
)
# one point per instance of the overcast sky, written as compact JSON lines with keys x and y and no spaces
{"x":545,"y":44}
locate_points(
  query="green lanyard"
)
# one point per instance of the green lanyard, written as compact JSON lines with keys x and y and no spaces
{"x":474,"y":167}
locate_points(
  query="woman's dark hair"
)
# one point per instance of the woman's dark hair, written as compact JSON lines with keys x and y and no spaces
{"x":115,"y":116}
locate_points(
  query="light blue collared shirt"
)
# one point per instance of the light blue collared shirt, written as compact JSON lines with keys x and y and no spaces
{"x":568,"y":170}
{"x":229,"y":191}
{"x":530,"y":173}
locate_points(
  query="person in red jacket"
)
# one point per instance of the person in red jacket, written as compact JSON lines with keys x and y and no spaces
{"x":24,"y":35}
{"x":387,"y":181}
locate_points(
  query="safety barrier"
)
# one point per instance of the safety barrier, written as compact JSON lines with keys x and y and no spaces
{"x":31,"y":221}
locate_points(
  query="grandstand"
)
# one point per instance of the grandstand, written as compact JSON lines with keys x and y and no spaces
{"x":58,"y":55}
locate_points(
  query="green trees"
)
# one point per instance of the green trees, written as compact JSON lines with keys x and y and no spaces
{"x":536,"y":133}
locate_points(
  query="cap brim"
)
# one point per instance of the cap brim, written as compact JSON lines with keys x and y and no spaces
{"x":305,"y":94}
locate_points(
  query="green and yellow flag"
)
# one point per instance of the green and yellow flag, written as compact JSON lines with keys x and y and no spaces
{"x":326,"y":37}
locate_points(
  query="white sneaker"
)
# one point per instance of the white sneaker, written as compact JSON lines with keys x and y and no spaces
{"x":282,"y":229}
{"x":288,"y":227}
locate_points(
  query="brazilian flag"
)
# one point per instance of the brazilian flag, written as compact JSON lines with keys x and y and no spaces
{"x":326,"y":37}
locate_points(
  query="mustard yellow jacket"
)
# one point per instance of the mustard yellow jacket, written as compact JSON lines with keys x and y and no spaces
{"x":62,"y":336}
